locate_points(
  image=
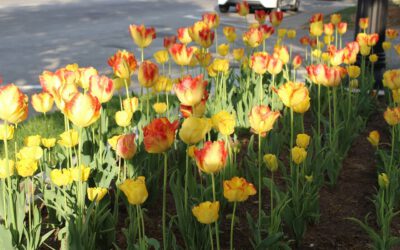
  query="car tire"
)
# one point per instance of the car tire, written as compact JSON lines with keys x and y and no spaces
{"x":223,"y":8}
{"x":296,"y":6}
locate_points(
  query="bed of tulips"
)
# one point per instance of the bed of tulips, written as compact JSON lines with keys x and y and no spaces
{"x":233,"y":131}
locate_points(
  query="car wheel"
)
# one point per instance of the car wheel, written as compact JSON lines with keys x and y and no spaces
{"x":223,"y":8}
{"x":296,"y":6}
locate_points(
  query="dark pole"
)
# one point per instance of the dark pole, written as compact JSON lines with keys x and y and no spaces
{"x":376,"y":11}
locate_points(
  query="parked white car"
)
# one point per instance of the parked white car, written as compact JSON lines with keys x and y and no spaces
{"x":267,"y":4}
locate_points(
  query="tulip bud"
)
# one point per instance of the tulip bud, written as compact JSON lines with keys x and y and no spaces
{"x":135,"y":190}
{"x":126,"y":146}
{"x":271,"y":161}
{"x":96,"y":194}
{"x":160,"y":107}
{"x":373,"y":138}
{"x":123,"y":118}
{"x":6,"y":133}
{"x":223,"y":49}
{"x":148,"y":74}
{"x":161,"y":56}
{"x":298,"y":155}
{"x":363,"y":23}
{"x":33,"y":140}
{"x":303,"y":140}
{"x":6,"y":170}
{"x":383,"y":180}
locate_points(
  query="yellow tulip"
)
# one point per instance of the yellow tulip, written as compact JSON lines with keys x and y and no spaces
{"x":386,"y":45}
{"x":303,"y":140}
{"x":193,"y":130}
{"x":353,"y":71}
{"x":238,"y":189}
{"x":26,"y":167}
{"x":32,"y":153}
{"x":135,"y":190}
{"x":191,"y":150}
{"x":147,"y":74}
{"x":293,"y":94}
{"x":221,"y":65}
{"x":160,"y":107}
{"x":224,"y":122}
{"x":223,"y":49}
{"x":336,"y":18}
{"x":13,"y":104}
{"x":6,"y":133}
{"x":96,"y":194}
{"x":49,"y":142}
{"x":298,"y":155}
{"x":206,"y":212}
{"x":271,"y":161}
{"x":282,"y":33}
{"x":365,"y":50}
{"x":396,"y":95}
{"x":42,"y":102}
{"x":33,"y":140}
{"x":69,"y":138}
{"x":262,"y":119}
{"x":163,"y":83}
{"x":123,"y":118}
{"x":131,"y":104}
{"x":4,"y":171}
{"x":161,"y":56}
{"x":141,"y":35}
{"x":238,"y":54}
{"x":309,"y":178}
{"x":83,"y":110}
{"x":374,"y":138}
{"x":61,"y":177}
{"x":373,"y":58}
{"x":291,"y":33}
{"x":392,"y":116}
{"x":212,"y":157}
{"x":383,"y":180}
{"x":80,"y":173}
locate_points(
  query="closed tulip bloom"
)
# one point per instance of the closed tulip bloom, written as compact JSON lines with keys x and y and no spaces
{"x":293,"y":93}
{"x":297,"y":61}
{"x":6,"y":132}
{"x":303,"y":140}
{"x":262,"y":119}
{"x":392,"y":116}
{"x":65,"y":95}
{"x":274,"y":66}
{"x":181,"y":54}
{"x":298,"y":155}
{"x":291,"y":34}
{"x":32,"y":153}
{"x":123,"y":64}
{"x":260,"y":16}
{"x":276,"y":17}
{"x":271,"y":161}
{"x":161,"y":56}
{"x":84,"y":76}
{"x":243,"y":8}
{"x":391,"y":79}
{"x":230,"y":33}
{"x":329,"y":29}
{"x":316,"y":28}
{"x":61,"y":177}
{"x":205,"y":37}
{"x":135,"y":190}
{"x":69,"y":138}
{"x":224,"y":122}
{"x":141,"y":35}
{"x":383,"y":180}
{"x":253,"y":37}
{"x":168,"y":41}
{"x":26,"y":167}
{"x":183,"y":35}
{"x":6,"y":170}
{"x":196,"y":28}
{"x":206,"y":212}
{"x":266,"y":31}
{"x":148,"y":74}
{"x":130,"y":104}
{"x":126,"y":146}
{"x":223,"y":49}
{"x":238,"y":54}
{"x":160,"y":107}
{"x":159,"y":135}
{"x":49,"y":142}
{"x":305,"y":40}
{"x":363,"y":23}
{"x":220,"y":65}
{"x":374,"y":138}
{"x":336,"y":18}
{"x":342,"y":28}
{"x":391,"y":34}
{"x":101,"y":87}
{"x":282,"y":53}
{"x":80,"y":173}
{"x":50,"y":82}
{"x":212,"y":157}
{"x":353,"y":71}
{"x":397,"y":49}
{"x":83,"y":110}
{"x":13,"y":104}
{"x":42,"y":102}
{"x":373,"y":58}
{"x":203,"y":58}
{"x":33,"y":140}
{"x":163,"y":84}
{"x":211,"y":19}
{"x":190,"y":90}
{"x":282,"y":33}
{"x":123,"y":118}
{"x":96,"y":194}
{"x":259,"y":62}
{"x":193,"y":130}
{"x":238,"y":189}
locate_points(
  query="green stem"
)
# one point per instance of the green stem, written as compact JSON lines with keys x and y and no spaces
{"x":164,"y":204}
{"x":319,"y":113}
{"x":261,"y":89}
{"x":259,"y":186}
{"x":334,"y":109}
{"x":215,"y":199}
{"x":186,"y":178}
{"x":272,"y":197}
{"x":232,"y":224}
{"x":330,"y":116}
{"x":393,"y":146}
{"x":10,"y":201}
{"x":211,"y":237}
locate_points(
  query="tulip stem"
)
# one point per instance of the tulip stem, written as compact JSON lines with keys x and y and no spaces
{"x":164,"y":203}
{"x":330,"y":116}
{"x":334,"y":109}
{"x":186,"y":177}
{"x":10,"y":201}
{"x":319,"y":113}
{"x":232,"y":224}
{"x":259,"y":186}
{"x":261,"y":89}
{"x":215,"y":199}
{"x":211,"y":237}
{"x":272,"y":198}
{"x":392,"y":152}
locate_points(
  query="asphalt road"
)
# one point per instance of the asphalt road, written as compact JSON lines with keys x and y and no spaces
{"x":42,"y":35}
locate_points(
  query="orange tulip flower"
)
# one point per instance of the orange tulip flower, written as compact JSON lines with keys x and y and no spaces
{"x":212,"y":157}
{"x":13,"y":104}
{"x":328,"y":29}
{"x":276,"y":17}
{"x":169,"y":41}
{"x":148,"y":74}
{"x":141,"y":35}
{"x":183,"y":36}
{"x":266,"y":31}
{"x":342,"y":28}
{"x":123,"y":64}
{"x":126,"y":146}
{"x":253,"y":37}
{"x":159,"y":135}
{"x":238,"y":189}
{"x":190,"y":90}
{"x":211,"y":19}
{"x":50,"y":82}
{"x":259,"y":62}
{"x":297,"y":61}
{"x":83,"y":109}
{"x":391,"y":34}
{"x":363,"y":22}
{"x":181,"y":54}
{"x":243,"y":8}
{"x":260,"y":16}
{"x":230,"y":33}
{"x":305,"y":40}
{"x":101,"y":87}
{"x":262,"y":119}
{"x":275,"y":65}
